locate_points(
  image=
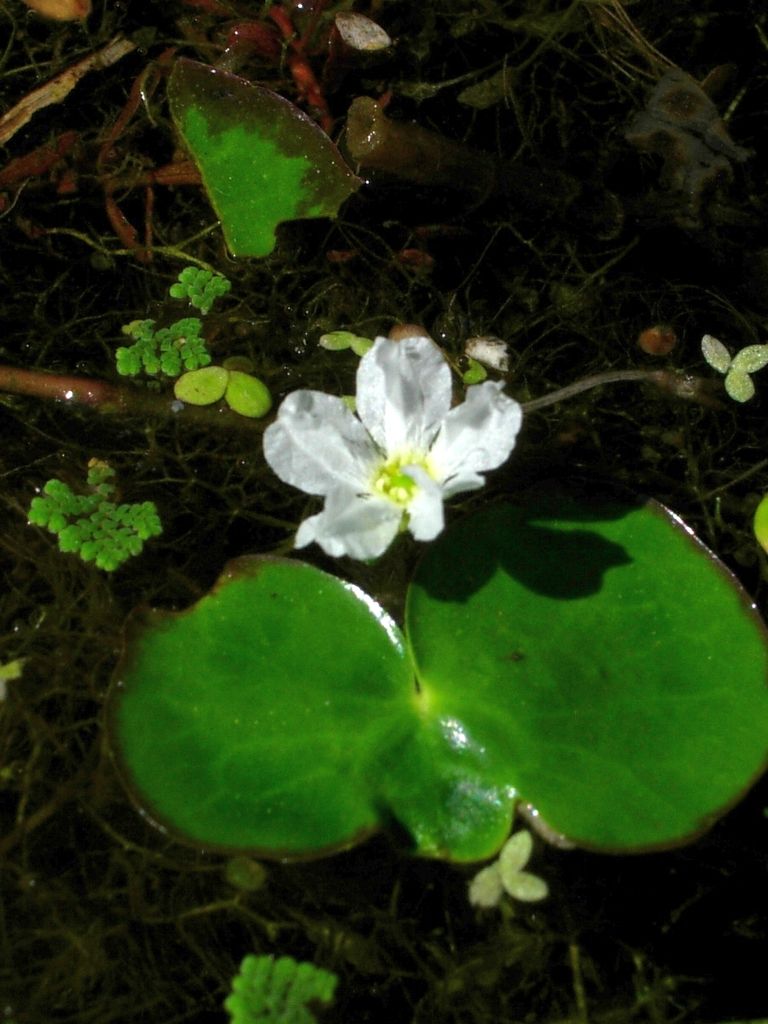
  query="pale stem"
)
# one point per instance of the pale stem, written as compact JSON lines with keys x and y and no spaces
{"x":130,"y":400}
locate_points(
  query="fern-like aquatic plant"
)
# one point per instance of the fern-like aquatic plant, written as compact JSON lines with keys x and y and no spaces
{"x":201,"y":287}
{"x":168,"y":350}
{"x":92,"y":525}
{"x":278,"y":991}
{"x":180,"y":346}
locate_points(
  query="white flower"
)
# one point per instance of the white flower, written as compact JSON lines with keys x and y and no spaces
{"x":394,"y":463}
{"x":506,"y":875}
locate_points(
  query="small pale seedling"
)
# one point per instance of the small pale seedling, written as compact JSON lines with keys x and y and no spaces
{"x":92,"y":525}
{"x":737,"y":369}
{"x":278,"y":991}
{"x":506,"y":875}
{"x":201,"y":287}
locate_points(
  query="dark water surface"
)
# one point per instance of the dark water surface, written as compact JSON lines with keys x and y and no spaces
{"x":575,"y":240}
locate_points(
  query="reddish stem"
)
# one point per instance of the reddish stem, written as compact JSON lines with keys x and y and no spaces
{"x":63,"y":388}
{"x":137,"y":401}
{"x":301,"y":71}
{"x":112,"y":399}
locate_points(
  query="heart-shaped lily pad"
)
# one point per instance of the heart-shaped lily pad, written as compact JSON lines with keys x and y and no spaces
{"x":588,"y":656}
{"x":611,"y":667}
{"x":253,"y":720}
{"x":262,"y":160}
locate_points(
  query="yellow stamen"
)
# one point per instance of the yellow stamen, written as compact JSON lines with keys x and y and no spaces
{"x":391,"y":482}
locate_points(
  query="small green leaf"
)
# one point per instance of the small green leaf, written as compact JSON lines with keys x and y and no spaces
{"x":202,"y":387}
{"x":336,"y":341}
{"x":475,"y":374}
{"x":360,"y":345}
{"x":262,"y":160}
{"x":760,"y":523}
{"x":247,"y":395}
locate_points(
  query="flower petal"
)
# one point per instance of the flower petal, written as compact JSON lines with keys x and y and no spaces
{"x":317,"y":444}
{"x":360,"y":526}
{"x":425,"y":509}
{"x":477,"y":435}
{"x":403,"y":393}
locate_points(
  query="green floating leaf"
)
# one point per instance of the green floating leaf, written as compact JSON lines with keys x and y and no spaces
{"x":760,"y":523}
{"x":247,"y":395}
{"x":262,"y":160}
{"x":588,"y":656}
{"x":202,"y":387}
{"x":610,"y":666}
{"x":270,"y":991}
{"x":251,"y":721}
{"x":337,"y":341}
{"x":243,"y":393}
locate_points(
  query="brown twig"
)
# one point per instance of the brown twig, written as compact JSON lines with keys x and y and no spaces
{"x":118,"y":399}
{"x":59,"y":87}
{"x":129,"y":400}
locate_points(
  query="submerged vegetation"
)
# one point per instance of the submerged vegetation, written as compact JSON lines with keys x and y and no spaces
{"x":607,"y":176}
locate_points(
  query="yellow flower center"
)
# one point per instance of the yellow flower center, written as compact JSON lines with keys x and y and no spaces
{"x":391,"y":482}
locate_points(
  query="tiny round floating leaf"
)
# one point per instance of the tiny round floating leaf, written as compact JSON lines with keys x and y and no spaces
{"x":760,"y":523}
{"x":247,"y":395}
{"x":202,"y":387}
